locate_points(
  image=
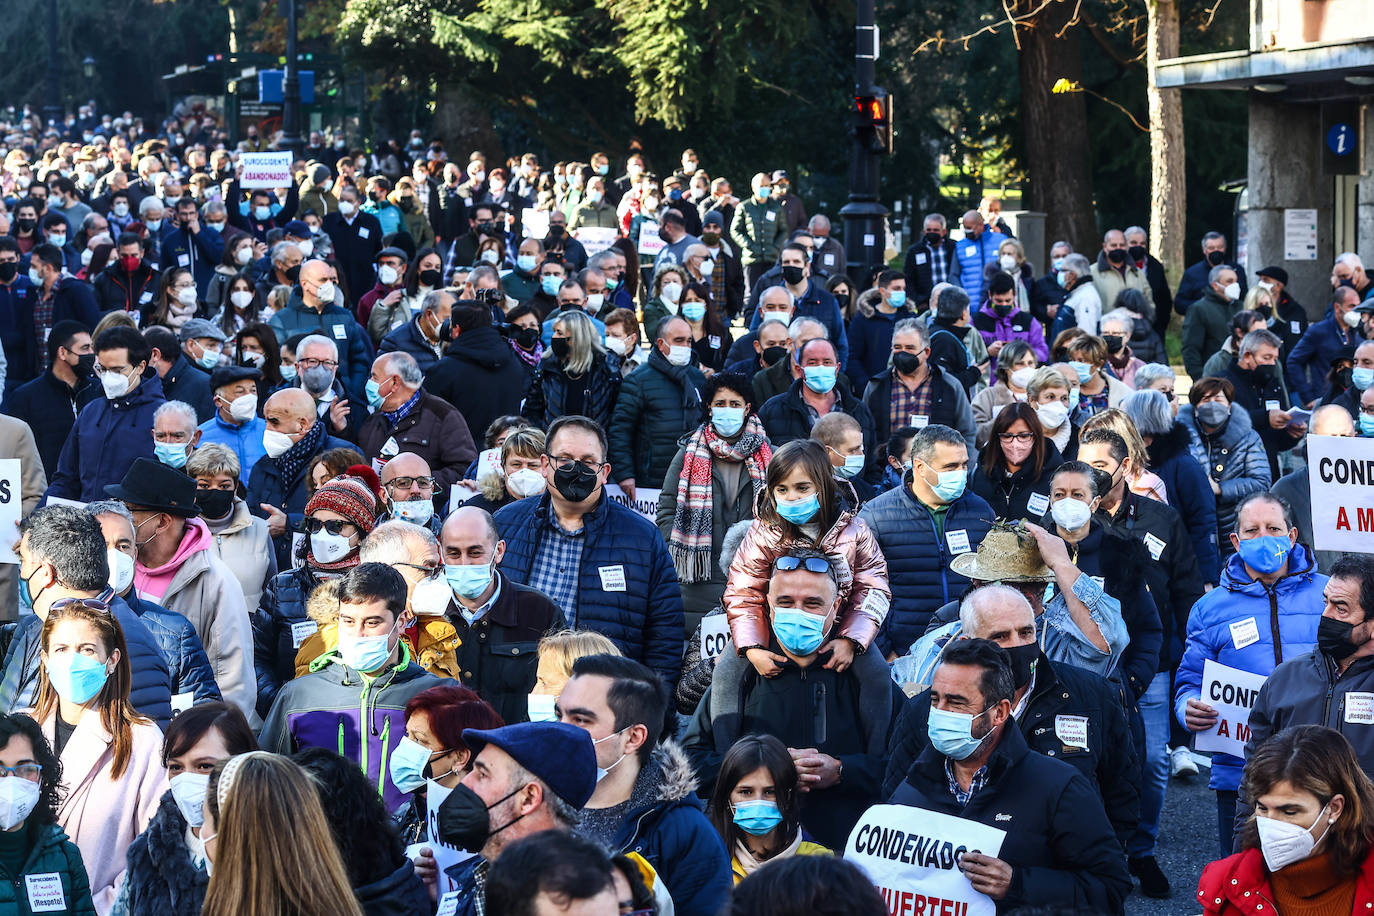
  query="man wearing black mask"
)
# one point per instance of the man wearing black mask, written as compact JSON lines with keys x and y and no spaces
{"x":1114,"y":272}
{"x":1259,"y":390}
{"x":1136,"y":247}
{"x":604,"y":565}
{"x":1288,"y":318}
{"x":1195,"y":281}
{"x":930,"y":261}
{"x":48,"y":403}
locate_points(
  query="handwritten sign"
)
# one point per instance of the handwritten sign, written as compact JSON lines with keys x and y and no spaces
{"x":265,"y":170}
{"x":1231,"y":692}
{"x":645,"y":501}
{"x":649,"y":241}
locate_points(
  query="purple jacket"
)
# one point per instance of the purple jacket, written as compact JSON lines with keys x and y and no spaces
{"x":1018,"y":325}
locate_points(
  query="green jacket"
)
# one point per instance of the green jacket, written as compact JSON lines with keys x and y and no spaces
{"x":52,"y":854}
{"x":594,"y":216}
{"x":1206,"y":327}
{"x":759,"y":229}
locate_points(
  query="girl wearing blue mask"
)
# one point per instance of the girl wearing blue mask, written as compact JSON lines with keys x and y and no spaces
{"x":756,"y":806}
{"x":800,"y":506}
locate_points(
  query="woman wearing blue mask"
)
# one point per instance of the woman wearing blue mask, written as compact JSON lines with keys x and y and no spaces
{"x":710,"y":339}
{"x":1096,"y":389}
{"x":756,"y":806}
{"x":1229,"y":449}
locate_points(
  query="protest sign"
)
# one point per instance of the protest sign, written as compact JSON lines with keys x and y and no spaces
{"x":649,"y":242}
{"x":912,"y":856}
{"x":645,"y":501}
{"x":534,"y":223}
{"x":265,"y":170}
{"x":715,"y":635}
{"x":59,"y":501}
{"x":1231,"y":692}
{"x":1341,"y":471}
{"x":11,"y":508}
{"x":596,"y":239}
{"x":445,"y":856}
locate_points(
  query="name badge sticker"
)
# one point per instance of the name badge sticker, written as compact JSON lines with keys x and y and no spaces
{"x":957,"y":541}
{"x":1072,"y":730}
{"x":45,"y":893}
{"x":612,"y":578}
{"x":1037,"y":503}
{"x":1244,"y":633}
{"x":302,"y":630}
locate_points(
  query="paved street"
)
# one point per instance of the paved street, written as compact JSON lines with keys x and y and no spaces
{"x":1188,"y":841}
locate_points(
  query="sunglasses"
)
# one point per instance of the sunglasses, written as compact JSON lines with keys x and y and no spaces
{"x":333,"y":526}
{"x":810,"y":564}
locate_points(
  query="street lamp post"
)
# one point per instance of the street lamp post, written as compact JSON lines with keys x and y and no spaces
{"x":291,"y":88}
{"x":52,"y":109}
{"x":865,"y":219}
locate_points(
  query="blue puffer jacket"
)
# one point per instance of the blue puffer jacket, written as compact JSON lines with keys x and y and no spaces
{"x":187,"y":662}
{"x":1189,"y":493}
{"x":918,"y":557}
{"x":1281,"y":621}
{"x":280,"y":625}
{"x":974,"y":255}
{"x":645,"y":619}
{"x":106,"y":439}
{"x":150,"y":693}
{"x":1235,"y":458}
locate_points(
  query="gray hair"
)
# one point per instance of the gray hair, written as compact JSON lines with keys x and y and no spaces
{"x":913,"y":326}
{"x":1077,"y":263}
{"x":1264,"y":496}
{"x":1120,"y":317}
{"x":1149,"y":411}
{"x":213,"y":207}
{"x":602,"y":259}
{"x":1062,"y":243}
{"x":969,"y":607}
{"x":71,"y":540}
{"x":820,"y":221}
{"x":560,"y":809}
{"x":484,"y":271}
{"x":279,"y":251}
{"x":110,"y":507}
{"x":1260,"y":337}
{"x":951,"y":304}
{"x":798,"y":328}
{"x":150,"y":203}
{"x":1350,"y":259}
{"x":391,"y":543}
{"x":924,"y":442}
{"x":937,"y":217}
{"x":1130,"y":230}
{"x":177,"y":408}
{"x":312,"y":339}
{"x":433,"y":300}
{"x":1148,"y":374}
{"x":1216,"y":272}
{"x":772,"y":322}
{"x":405,"y":366}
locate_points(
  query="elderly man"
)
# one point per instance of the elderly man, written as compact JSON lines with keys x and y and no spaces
{"x":1258,"y":382}
{"x":1206,"y":326}
{"x":784,"y":370}
{"x":525,"y":779}
{"x":758,"y":228}
{"x":839,"y":742}
{"x":1311,"y":358}
{"x":414,"y":553}
{"x":1114,"y":271}
{"x":1295,"y":487}
{"x":278,"y":487}
{"x":915,"y":391}
{"x":1348,"y":270}
{"x":317,"y":373}
{"x":1193,"y":286}
{"x":236,"y":423}
{"x":182,"y":379}
{"x":420,"y":336}
{"x":1361,"y":375}
{"x":604,"y":565}
{"x":176,"y":566}
{"x":411,"y":492}
{"x":175,"y":434}
{"x":499,"y":622}
{"x":931,"y":261}
{"x":281,"y":267}
{"x":408,"y":419}
{"x":829,"y":258}
{"x":814,"y":394}
{"x":1060,"y":850}
{"x":774,"y":303}
{"x":313,"y":308}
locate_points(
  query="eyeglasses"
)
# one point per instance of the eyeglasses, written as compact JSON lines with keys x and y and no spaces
{"x":311,"y":363}
{"x":405,"y":483}
{"x":333,"y":526}
{"x":1017,"y":437}
{"x":429,"y":571}
{"x":810,"y":564}
{"x":30,"y":771}
{"x":569,"y":462}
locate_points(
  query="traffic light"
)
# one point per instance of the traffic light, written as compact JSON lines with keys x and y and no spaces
{"x":874,"y":113}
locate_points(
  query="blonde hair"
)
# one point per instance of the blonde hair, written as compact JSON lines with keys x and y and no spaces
{"x":115,"y":319}
{"x":567,"y":646}
{"x":275,"y":853}
{"x":1045,"y":377}
{"x":1253,"y":297}
{"x":1115,"y":419}
{"x":583,"y":341}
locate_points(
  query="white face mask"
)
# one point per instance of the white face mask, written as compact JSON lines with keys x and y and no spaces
{"x":329,"y":548}
{"x":86,"y":255}
{"x":415,"y":511}
{"x":1071,"y":514}
{"x":187,"y":296}
{"x":595,"y":301}
{"x":615,"y":345}
{"x":671,"y":293}
{"x":1053,"y":414}
{"x":241,"y":298}
{"x":121,"y":569}
{"x":1232,"y":291}
{"x":1007,"y":263}
{"x":244,"y":254}
{"x":244,"y":407}
{"x":525,"y":483}
{"x":275,"y":443}
{"x":540,"y":706}
{"x":306,"y":247}
{"x":387,"y":275}
{"x":18,"y":798}
{"x":116,"y":384}
{"x":1021,"y":377}
{"x":679,"y":356}
{"x":346,"y":207}
{"x":325,"y":292}
{"x":188,"y":791}
{"x":1283,"y":843}
{"x":431,"y":597}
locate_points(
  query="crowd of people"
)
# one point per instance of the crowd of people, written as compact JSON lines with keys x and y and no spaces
{"x":424,"y":536}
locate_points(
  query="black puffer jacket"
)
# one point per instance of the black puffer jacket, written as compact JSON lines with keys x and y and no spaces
{"x":162,"y":880}
{"x":546,"y":394}
{"x":1010,"y":495}
{"x":481,"y":376}
{"x":280,"y":625}
{"x":651,"y":414}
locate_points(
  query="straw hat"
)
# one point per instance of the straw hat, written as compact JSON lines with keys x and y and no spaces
{"x":1008,"y":554}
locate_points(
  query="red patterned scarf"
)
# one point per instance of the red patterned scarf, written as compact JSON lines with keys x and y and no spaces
{"x":690,"y":542}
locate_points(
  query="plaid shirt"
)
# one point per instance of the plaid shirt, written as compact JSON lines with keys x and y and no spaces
{"x":906,"y":402}
{"x":975,"y":785}
{"x":939,"y":266}
{"x":479,"y":891}
{"x":42,"y":319}
{"x":718,"y":280}
{"x":400,"y":413}
{"x":557,"y":564}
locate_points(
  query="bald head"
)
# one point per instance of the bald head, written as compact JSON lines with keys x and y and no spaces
{"x":993,"y":611}
{"x":406,"y":464}
{"x":775,"y":299}
{"x":290,"y":411}
{"x":1331,"y":420}
{"x":469,"y":538}
{"x":316,"y":271}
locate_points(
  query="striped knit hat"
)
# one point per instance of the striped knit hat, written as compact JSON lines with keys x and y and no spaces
{"x":349,"y":496}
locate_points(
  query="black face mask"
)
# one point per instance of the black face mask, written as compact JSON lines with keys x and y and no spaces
{"x":906,"y":362}
{"x":1114,"y":342}
{"x":934,"y":238}
{"x":1266,"y":311}
{"x":25,"y":225}
{"x":1345,"y":377}
{"x":1216,"y":257}
{"x":1137,"y":252}
{"x":1333,"y":638}
{"x":85,"y":365}
{"x":1265,"y":372}
{"x":792,"y":275}
{"x":1002,"y":310}
{"x":8,"y":271}
{"x":1023,"y":660}
{"x":430,"y":277}
{"x":1117,"y":256}
{"x":528,"y":337}
{"x":561,"y":348}
{"x":465,"y":820}
{"x":842,"y":299}
{"x":771,"y":355}
{"x":576,"y":481}
{"x":215,"y":503}
{"x":294,"y":273}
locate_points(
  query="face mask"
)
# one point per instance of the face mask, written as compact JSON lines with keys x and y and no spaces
{"x":1074,"y":400}
{"x":1071,"y":514}
{"x":525,"y":482}
{"x":951,"y":733}
{"x":1007,"y":262}
{"x":540,"y":707}
{"x":35,"y":277}
{"x":218,"y":227}
{"x":896,"y":298}
{"x":468,"y":581}
{"x":86,"y":256}
{"x":365,"y":653}
{"x":288,"y":372}
{"x":798,"y":632}
{"x":1215,"y":258}
{"x":1023,"y":660}
{"x":1021,"y":377}
{"x":1361,"y":377}
{"x":262,"y":214}
{"x":1231,"y":291}
{"x":188,"y":791}
{"x":561,"y":347}
{"x":208,"y":358}
{"x":130,"y":262}
{"x":317,"y":380}
{"x":1366,"y":425}
{"x":594,"y":302}
{"x":679,"y":356}
{"x":415,"y":511}
{"x":784,"y":316}
{"x":1283,"y":843}
{"x":793,"y":275}
{"x":408,"y":763}
{"x":671,"y":292}
{"x":465,"y":820}
{"x":244,"y":254}
{"x":121,"y":209}
{"x":116,"y":384}
{"x":727,"y":420}
{"x":213,"y":504}
{"x":325,"y":292}
{"x":374,"y":395}
{"x":329,"y":548}
{"x":1265,"y":554}
{"x":708,"y":267}
{"x":550,"y":284}
{"x":1137,"y":252}
{"x":949,"y":485}
{"x":59,"y":240}
{"x":906,"y":362}
{"x":170,"y":454}
{"x":853,"y":464}
{"x":387,"y":275}
{"x":241,"y":299}
{"x":525,"y":262}
{"x":1083,"y":370}
{"x":594,"y":196}
{"x":1062,"y":278}
{"x":121,"y":569}
{"x":757,"y":818}
{"x":1213,"y":414}
{"x":1352,"y":319}
{"x":771,"y":355}
{"x":431,"y":597}
{"x":709,"y":239}
{"x":430,"y":278}
{"x":576,"y":482}
{"x":820,"y":379}
{"x":1115,"y":343}
{"x":346,"y":207}
{"x":76,"y":678}
{"x":18,"y":798}
{"x":154,"y":225}
{"x":799,"y":511}
{"x":1333,"y":638}
{"x":275,"y":443}
{"x":694,"y":311}
{"x":85,"y":365}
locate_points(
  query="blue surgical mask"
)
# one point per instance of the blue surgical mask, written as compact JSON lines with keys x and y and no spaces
{"x":798,"y":632}
{"x":757,"y":818}
{"x":208,"y":359}
{"x":896,"y":298}
{"x":1084,"y":370}
{"x":525,"y":262}
{"x":799,"y":511}
{"x":949,"y":485}
{"x":820,"y":379}
{"x":468,"y":581}
{"x":1062,"y":278}
{"x":408,"y":763}
{"x":694,"y":311}
{"x":727,"y":420}
{"x":77,"y":678}
{"x":415,"y":511}
{"x":365,"y":653}
{"x":1366,"y":425}
{"x":262,"y":214}
{"x":288,"y":373}
{"x":1057,"y":264}
{"x":853,"y":464}
{"x":550,"y":284}
{"x":1362,"y":378}
{"x":1074,"y":399}
{"x":1265,"y":554}
{"x":170,"y":454}
{"x":374,"y":395}
{"x":951,"y":733}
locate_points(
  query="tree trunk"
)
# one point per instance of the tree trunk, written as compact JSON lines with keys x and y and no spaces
{"x":1056,"y":126}
{"x":463,"y":124}
{"x":1167,"y":181}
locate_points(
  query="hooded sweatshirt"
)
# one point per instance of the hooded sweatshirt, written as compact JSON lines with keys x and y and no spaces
{"x":152,"y":583}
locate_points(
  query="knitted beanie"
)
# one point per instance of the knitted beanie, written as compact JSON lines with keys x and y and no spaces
{"x":350,"y":497}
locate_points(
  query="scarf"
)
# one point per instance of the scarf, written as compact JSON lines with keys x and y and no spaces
{"x":690,"y":542}
{"x":691,"y":398}
{"x":292,"y":461}
{"x":531,"y":359}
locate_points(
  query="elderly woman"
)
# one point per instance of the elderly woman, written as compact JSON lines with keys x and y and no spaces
{"x":1143,"y":340}
{"x":1082,"y":306}
{"x":1190,"y":492}
{"x":1227,"y":447}
{"x":1048,"y":393}
{"x":1117,"y":327}
{"x":520,"y":477}
{"x":574,"y":378}
{"x":1015,"y":365}
{"x":241,"y":538}
{"x":1158,"y":377}
{"x":1011,"y":258}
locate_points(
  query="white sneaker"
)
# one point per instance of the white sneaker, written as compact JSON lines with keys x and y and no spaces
{"x":1181,"y":763}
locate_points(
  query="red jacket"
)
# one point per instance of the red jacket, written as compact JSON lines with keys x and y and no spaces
{"x":1239,"y":886}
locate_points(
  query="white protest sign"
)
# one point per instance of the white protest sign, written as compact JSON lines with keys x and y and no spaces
{"x":265,"y":170}
{"x":59,"y":501}
{"x":596,"y":239}
{"x":1231,"y":692}
{"x":912,"y":856}
{"x":297,"y":539}
{"x":715,"y":635}
{"x":534,"y":223}
{"x":645,"y":501}
{"x":445,"y":856}
{"x":488,"y":463}
{"x":1341,"y":472}
{"x":461,"y":492}
{"x":649,"y":241}
{"x":11,"y":508}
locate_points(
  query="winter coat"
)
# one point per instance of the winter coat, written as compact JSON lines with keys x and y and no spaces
{"x":1296,"y":488}
{"x":1282,"y":620}
{"x":1186,"y":483}
{"x":546,"y":392}
{"x":1257,"y":395}
{"x":199,"y":252}
{"x":1062,"y":852}
{"x":1206,"y":327}
{"x":870,"y":337}
{"x":280,"y":626}
{"x":1010,"y":495}
{"x":1082,"y":308}
{"x":786,"y":416}
{"x":16,"y":442}
{"x":1109,"y":761}
{"x":650,"y":417}
{"x":1193,"y":285}
{"x":1234,"y":457}
{"x":916,"y":267}
{"x":245,"y":546}
{"x":644,"y":619}
{"x":72,"y":300}
{"x":48,"y":406}
{"x":336,"y":323}
{"x":356,"y":244}
{"x":192,"y":677}
{"x":265,"y":485}
{"x":118,"y":290}
{"x":191,"y":385}
{"x":162,"y":879}
{"x":1311,"y":358}
{"x":398,"y":893}
{"x":1017,"y":325}
{"x":974,"y":255}
{"x":863,"y":585}
{"x":433,"y":429}
{"x":244,"y":440}
{"x":360,"y":718}
{"x":918,"y":556}
{"x":50,"y":853}
{"x":815,"y":303}
{"x":408,"y":339}
{"x":107,"y":437}
{"x":1110,"y":282}
{"x":378,"y":318}
{"x":1241,"y":885}
{"x":759,"y":230}
{"x":481,"y":376}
